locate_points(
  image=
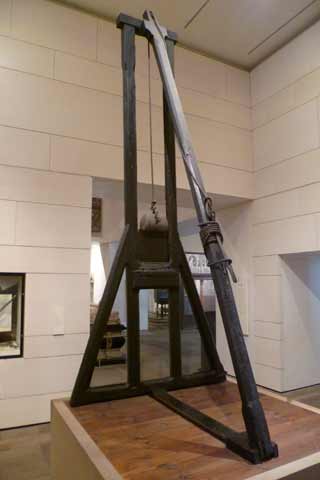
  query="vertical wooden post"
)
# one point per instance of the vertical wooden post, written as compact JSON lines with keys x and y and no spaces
{"x":171,"y":212}
{"x":130,"y":198}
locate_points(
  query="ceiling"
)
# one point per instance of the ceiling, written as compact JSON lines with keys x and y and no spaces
{"x":239,"y":32}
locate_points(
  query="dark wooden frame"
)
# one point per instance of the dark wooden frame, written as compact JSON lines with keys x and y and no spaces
{"x":165,"y":273}
{"x":165,"y":268}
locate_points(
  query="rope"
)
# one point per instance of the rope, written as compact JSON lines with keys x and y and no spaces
{"x":210,"y":232}
{"x":150,"y":126}
{"x":206,"y":199}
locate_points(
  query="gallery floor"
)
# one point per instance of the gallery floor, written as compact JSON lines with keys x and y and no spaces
{"x":25,"y":452}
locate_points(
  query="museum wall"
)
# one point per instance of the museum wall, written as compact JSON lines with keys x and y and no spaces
{"x":286,"y":220}
{"x":300,"y":286}
{"x":61,"y":124}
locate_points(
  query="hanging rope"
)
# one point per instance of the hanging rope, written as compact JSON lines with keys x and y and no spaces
{"x":150,"y":124}
{"x":152,"y":221}
{"x":207,"y":200}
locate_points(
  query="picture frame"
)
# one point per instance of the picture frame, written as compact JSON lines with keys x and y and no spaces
{"x":96,"y":216}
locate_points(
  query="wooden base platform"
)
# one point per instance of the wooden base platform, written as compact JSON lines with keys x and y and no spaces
{"x":139,"y":438}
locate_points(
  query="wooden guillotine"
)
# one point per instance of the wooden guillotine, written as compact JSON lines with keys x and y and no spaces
{"x":155,"y":259}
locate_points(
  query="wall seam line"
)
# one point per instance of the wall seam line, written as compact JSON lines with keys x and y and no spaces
{"x":286,"y":159}
{"x":296,"y":107}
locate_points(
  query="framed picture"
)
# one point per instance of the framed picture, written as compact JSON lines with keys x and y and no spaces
{"x":11,"y":314}
{"x":96,"y":215}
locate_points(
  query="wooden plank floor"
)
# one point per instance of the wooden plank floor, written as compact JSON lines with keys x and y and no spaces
{"x":143,"y":439}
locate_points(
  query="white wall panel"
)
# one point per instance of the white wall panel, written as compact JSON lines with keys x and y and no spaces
{"x":300,"y":201}
{"x":98,"y":76}
{"x":15,"y":412}
{"x":267,"y":265}
{"x":80,"y":71}
{"x":221,"y":145}
{"x":200,"y":73}
{"x":57,"y":299}
{"x":290,"y":135}
{"x":309,"y":199}
{"x":26,"y":57}
{"x":292,"y":62}
{"x":44,"y":187}
{"x":5,"y":13}
{"x":268,"y":352}
{"x":273,"y":331}
{"x":72,"y":111}
{"x":69,"y":155}
{"x":292,"y":235}
{"x":269,"y":330}
{"x":294,"y":172}
{"x":269,"y":377}
{"x":238,"y":86}
{"x":109,"y":44}
{"x":226,"y":181}
{"x":35,"y":376}
{"x":216,"y":109}
{"x":267,"y":299}
{"x":7,"y":223}
{"x":53,"y":226}
{"x":273,"y":107}
{"x":86,"y":158}
{"x":55,"y":345}
{"x":307,"y":87}
{"x":296,"y":94}
{"x":285,"y":92}
{"x":24,"y":148}
{"x":44,"y":260}
{"x":275,"y":207}
{"x":301,"y":306}
{"x":54,"y":26}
